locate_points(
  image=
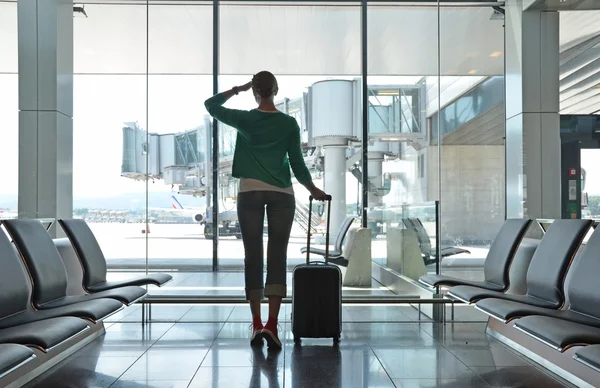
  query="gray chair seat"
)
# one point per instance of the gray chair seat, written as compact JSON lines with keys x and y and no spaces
{"x":558,"y":333}
{"x":497,"y":262}
{"x":470,"y":294}
{"x":321,"y":252}
{"x":547,"y":269}
{"x":507,"y":310}
{"x":432,"y":280}
{"x":451,"y":251}
{"x":339,"y":260}
{"x":590,"y":356}
{"x":44,"y":334}
{"x":157,"y":279}
{"x":94,"y":263}
{"x":92,"y":310}
{"x":13,"y":356}
{"x":126,"y":295}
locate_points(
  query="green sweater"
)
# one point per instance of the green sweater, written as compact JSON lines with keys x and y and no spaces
{"x":267,"y":144}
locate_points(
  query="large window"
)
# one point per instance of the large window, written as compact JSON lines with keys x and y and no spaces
{"x":180,"y":68}
{"x":109,"y":120}
{"x":143,"y":146}
{"x":142,"y":73}
{"x":9,"y":110}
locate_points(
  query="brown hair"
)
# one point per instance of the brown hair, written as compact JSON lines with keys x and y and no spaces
{"x":264,"y":84}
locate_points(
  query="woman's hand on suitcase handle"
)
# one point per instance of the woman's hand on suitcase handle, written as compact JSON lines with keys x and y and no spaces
{"x":320,"y":195}
{"x":316,"y":193}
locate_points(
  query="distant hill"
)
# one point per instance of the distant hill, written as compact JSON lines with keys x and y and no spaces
{"x":126,"y":201}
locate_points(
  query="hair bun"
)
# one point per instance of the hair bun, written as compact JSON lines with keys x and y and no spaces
{"x":264,"y":84}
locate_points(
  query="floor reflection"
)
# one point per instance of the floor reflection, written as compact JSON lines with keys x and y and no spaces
{"x":217,"y":354}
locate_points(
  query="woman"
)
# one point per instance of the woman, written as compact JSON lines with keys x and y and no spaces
{"x":268,"y":143}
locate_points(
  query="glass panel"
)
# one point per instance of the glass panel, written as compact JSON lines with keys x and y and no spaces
{"x":471,"y":137}
{"x":402,"y":161}
{"x":314,"y":51}
{"x":9,"y":61}
{"x":111,"y":40}
{"x":9,"y":110}
{"x":321,"y":40}
{"x":110,"y":142}
{"x":180,"y":37}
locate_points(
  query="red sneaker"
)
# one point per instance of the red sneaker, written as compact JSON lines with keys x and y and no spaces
{"x":257,"y":329}
{"x":270,"y":334}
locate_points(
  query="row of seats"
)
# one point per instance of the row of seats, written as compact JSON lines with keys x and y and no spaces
{"x":336,"y":254}
{"x":427,"y":252}
{"x":561,"y":307}
{"x":36,"y":312}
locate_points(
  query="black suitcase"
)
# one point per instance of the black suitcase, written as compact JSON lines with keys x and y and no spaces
{"x":317,"y":293}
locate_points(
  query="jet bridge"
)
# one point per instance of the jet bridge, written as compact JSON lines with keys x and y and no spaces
{"x":330,"y":118}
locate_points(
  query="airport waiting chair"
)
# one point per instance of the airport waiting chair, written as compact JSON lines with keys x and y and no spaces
{"x":13,"y":357}
{"x":546,"y":270}
{"x":48,"y":271}
{"x":335,"y":254}
{"x":497,"y":262}
{"x":578,"y":323}
{"x":578,"y":290}
{"x":589,"y":356}
{"x":15,"y":286}
{"x":93,"y":261}
{"x":429,"y":255}
{"x":44,"y":329}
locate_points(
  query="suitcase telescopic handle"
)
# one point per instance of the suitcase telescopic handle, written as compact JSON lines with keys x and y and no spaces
{"x":328,"y":199}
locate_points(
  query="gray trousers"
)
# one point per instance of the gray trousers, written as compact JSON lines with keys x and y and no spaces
{"x":280,"y":208}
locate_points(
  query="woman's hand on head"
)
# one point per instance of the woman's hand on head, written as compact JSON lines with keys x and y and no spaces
{"x":245,"y":87}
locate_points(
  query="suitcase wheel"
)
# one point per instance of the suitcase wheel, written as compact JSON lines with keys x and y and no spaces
{"x":296,"y":339}
{"x":336,"y":340}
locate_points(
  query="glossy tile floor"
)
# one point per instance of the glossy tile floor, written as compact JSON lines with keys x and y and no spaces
{"x":213,"y":351}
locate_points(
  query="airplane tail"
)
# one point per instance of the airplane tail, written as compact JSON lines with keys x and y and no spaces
{"x":175,"y":203}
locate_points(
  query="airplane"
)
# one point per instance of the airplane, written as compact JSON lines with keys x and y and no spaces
{"x":194,"y":212}
{"x":228,"y":223}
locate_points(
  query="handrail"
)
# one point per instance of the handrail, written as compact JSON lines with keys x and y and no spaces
{"x":221,"y":299}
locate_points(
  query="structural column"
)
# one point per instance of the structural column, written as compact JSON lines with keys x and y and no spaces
{"x":45,"y":109}
{"x":335,"y":184}
{"x":533,"y":187}
{"x":375,"y":177}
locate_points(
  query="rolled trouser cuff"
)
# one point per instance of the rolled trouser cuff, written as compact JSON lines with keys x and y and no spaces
{"x":276,"y":290}
{"x":256,"y":294}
